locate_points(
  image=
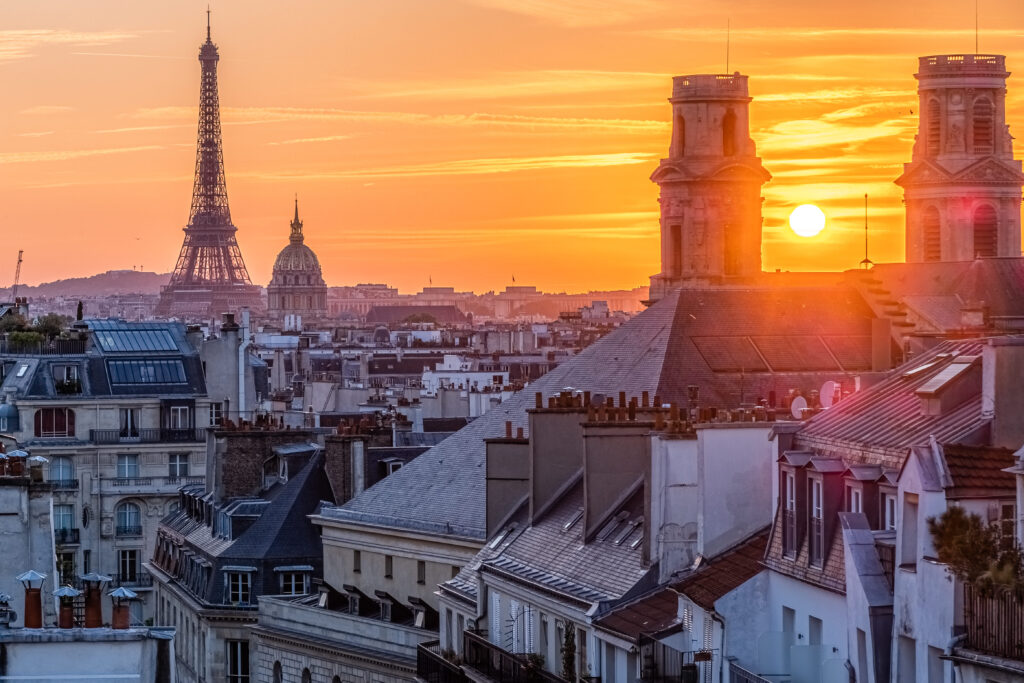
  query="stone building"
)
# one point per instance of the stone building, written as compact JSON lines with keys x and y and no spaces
{"x":962,"y":187}
{"x":297,"y":286}
{"x":710,"y":185}
{"x":120,"y":413}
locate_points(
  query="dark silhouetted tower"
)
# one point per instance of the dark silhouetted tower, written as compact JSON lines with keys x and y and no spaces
{"x":962,"y":187}
{"x":710,"y":186}
{"x":210,"y":276}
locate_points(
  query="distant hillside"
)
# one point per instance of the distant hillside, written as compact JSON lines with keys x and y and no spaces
{"x":109,"y":283}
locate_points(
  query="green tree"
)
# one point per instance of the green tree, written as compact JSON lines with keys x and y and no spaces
{"x":974,"y":551}
{"x":25,"y":340}
{"x":51,"y":325}
{"x":12,"y":323}
{"x":78,"y":313}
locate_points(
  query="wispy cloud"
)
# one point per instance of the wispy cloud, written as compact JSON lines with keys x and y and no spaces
{"x":514,"y":84}
{"x":36,"y":134}
{"x":256,"y":115}
{"x":65,"y":155}
{"x":325,"y":138}
{"x":464,"y":167}
{"x":130,"y":55}
{"x":789,"y":136}
{"x":21,"y":43}
{"x":822,"y":33}
{"x":46,"y":110}
{"x":836,"y":95}
{"x":578,"y":12}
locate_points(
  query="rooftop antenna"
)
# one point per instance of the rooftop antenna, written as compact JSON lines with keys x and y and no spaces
{"x":867,"y":263}
{"x":727,"y":36}
{"x":208,"y":23}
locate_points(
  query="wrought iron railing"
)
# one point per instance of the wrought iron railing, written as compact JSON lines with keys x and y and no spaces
{"x":64,"y":483}
{"x":136,"y":579}
{"x":66,"y":536}
{"x":55,"y":347}
{"x":433,"y":667}
{"x":501,"y":665}
{"x":737,"y":674}
{"x":994,"y":622}
{"x":661,"y":663}
{"x":146,"y":435}
{"x":128,"y":530}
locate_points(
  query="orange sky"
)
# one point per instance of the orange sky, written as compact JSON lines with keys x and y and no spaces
{"x":463,"y":140}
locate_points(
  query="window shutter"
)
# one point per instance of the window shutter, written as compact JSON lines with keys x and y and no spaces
{"x":516,"y":623}
{"x":495,"y":618}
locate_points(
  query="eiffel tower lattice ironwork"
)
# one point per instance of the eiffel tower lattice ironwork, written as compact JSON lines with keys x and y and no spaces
{"x":210,"y":276}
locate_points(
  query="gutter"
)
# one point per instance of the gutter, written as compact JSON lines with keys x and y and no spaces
{"x":243,"y":348}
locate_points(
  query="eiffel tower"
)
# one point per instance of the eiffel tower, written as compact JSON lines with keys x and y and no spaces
{"x":210,"y":277}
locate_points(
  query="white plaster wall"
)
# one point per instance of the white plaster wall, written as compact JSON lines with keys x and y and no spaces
{"x":807,"y":601}
{"x":746,"y":613}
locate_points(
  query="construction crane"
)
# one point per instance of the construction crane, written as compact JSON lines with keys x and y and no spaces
{"x":17,"y":276}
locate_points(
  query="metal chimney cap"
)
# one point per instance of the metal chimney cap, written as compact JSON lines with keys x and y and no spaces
{"x":93,"y":576}
{"x":123,"y":593}
{"x":67,"y":592}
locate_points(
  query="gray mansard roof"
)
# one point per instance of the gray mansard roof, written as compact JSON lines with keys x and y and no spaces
{"x":690,"y":337}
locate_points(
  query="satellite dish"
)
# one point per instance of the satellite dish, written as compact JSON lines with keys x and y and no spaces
{"x":827,"y":393}
{"x":797,"y":407}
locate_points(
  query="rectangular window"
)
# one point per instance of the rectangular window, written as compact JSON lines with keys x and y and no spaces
{"x":854,"y":499}
{"x":55,"y":422}
{"x":128,"y":565}
{"x":63,"y":516}
{"x":86,"y":561}
{"x":239,"y":587}
{"x":421,"y":572}
{"x":789,"y":515}
{"x":66,"y":568}
{"x":889,"y":512}
{"x":293,"y":583}
{"x":814,"y":630}
{"x":388,"y":566}
{"x":817,"y":526}
{"x":146,"y":372}
{"x":179,"y":417}
{"x":357,"y":562}
{"x":238,"y":661}
{"x":129,"y":423}
{"x":127,"y":466}
{"x":177,"y":465}
{"x":216,"y":412}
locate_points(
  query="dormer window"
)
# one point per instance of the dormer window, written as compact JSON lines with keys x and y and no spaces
{"x":238,"y":585}
{"x":817,"y":523}
{"x":889,"y":511}
{"x":854,"y":499}
{"x":294,"y":580}
{"x":789,"y":539}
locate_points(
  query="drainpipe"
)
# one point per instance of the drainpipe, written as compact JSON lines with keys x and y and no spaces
{"x":721,"y":663}
{"x":243,"y":347}
{"x":953,"y":642}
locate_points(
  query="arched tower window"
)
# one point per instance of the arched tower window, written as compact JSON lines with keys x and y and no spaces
{"x":931,"y":235}
{"x":278,"y":674}
{"x":675,"y":259}
{"x":983,"y":120}
{"x":680,"y":136}
{"x":985,"y":230}
{"x":729,"y":133}
{"x":934,"y":127}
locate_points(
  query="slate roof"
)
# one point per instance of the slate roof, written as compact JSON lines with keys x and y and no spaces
{"x":444,"y":315}
{"x":725,"y":572}
{"x":977,"y":472}
{"x":549,"y":556}
{"x":879,"y":425}
{"x":442,"y":491}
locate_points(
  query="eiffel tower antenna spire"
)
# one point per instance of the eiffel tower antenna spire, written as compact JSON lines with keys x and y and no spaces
{"x":210,"y":272}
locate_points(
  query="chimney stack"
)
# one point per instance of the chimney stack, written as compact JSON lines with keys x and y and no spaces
{"x":33,"y":583}
{"x":67,"y":595}
{"x":94,"y":598}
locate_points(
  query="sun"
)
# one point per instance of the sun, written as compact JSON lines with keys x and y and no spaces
{"x":807,"y":220}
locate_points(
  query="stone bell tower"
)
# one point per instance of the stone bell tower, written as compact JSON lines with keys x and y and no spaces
{"x":962,"y":188}
{"x":710,"y":186}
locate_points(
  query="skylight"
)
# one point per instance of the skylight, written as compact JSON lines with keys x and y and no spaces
{"x":146,"y":371}
{"x":135,"y":340}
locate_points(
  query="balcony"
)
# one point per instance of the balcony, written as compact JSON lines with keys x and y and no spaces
{"x":136,"y":579}
{"x":501,"y":665}
{"x":65,"y":537}
{"x":737,"y":674}
{"x":150,"y":435}
{"x":128,"y":531}
{"x":63,"y":484}
{"x":994,"y":622}
{"x":121,"y":486}
{"x":433,"y":667}
{"x":661,"y":663}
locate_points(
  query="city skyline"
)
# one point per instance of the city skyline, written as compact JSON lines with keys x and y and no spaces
{"x":425,"y":153}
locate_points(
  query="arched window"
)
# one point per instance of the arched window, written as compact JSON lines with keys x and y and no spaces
{"x":129,"y":519}
{"x":62,"y":471}
{"x":934,"y":129}
{"x":931,"y":235}
{"x":278,"y":676}
{"x":306,"y":676}
{"x":336,"y":679}
{"x":983,"y":117}
{"x":729,"y":133}
{"x":679,"y":148}
{"x":985,"y":231}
